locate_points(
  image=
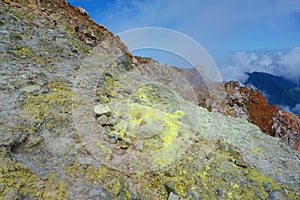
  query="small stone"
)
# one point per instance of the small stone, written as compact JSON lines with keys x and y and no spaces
{"x":102,"y":119}
{"x":267,"y":187}
{"x":113,"y":138}
{"x":134,"y":61}
{"x":219,"y":192}
{"x":124,"y":146}
{"x":102,"y":110}
{"x":208,"y":155}
{"x":92,"y":35}
{"x":7,"y":1}
{"x":139,"y":145}
{"x":128,"y":91}
{"x":127,"y":140}
{"x":108,"y":74}
{"x":111,"y":121}
{"x":172,"y":187}
{"x":173,"y":196}
{"x":241,"y":163}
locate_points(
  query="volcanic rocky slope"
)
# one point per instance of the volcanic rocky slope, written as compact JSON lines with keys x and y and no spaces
{"x":81,"y":118}
{"x":231,"y":99}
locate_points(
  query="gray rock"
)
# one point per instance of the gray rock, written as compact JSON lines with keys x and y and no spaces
{"x":267,"y":187}
{"x":111,"y":121}
{"x":208,"y":155}
{"x":139,"y":145}
{"x":113,"y":138}
{"x":102,"y":119}
{"x":127,"y":141}
{"x":219,"y":192}
{"x":173,"y":196}
{"x":241,"y":163}
{"x":172,"y":187}
{"x":102,"y":110}
{"x":128,"y":91}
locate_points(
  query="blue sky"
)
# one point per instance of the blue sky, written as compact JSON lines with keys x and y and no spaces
{"x":223,"y":27}
{"x":216,"y":24}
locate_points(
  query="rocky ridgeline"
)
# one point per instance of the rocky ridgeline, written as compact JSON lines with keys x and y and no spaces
{"x":248,"y":103}
{"x":245,"y":102}
{"x":79,"y":119}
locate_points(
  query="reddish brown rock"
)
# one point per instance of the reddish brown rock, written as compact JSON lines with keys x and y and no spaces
{"x":143,"y":60}
{"x":260,"y":112}
{"x":268,"y":118}
{"x":77,"y":19}
{"x":245,"y":102}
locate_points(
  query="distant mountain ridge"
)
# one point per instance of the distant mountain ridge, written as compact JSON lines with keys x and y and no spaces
{"x":279,"y":90}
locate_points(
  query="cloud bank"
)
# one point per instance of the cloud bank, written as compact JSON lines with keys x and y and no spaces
{"x":285,"y":63}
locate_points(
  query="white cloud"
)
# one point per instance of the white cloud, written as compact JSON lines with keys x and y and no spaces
{"x":282,"y":63}
{"x":215,"y":24}
{"x":232,"y":72}
{"x":266,"y":60}
{"x":290,"y":64}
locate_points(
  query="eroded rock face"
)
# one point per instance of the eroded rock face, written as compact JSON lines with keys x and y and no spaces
{"x":271,"y":120}
{"x":236,"y":100}
{"x":287,"y":126}
{"x":250,"y":104}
